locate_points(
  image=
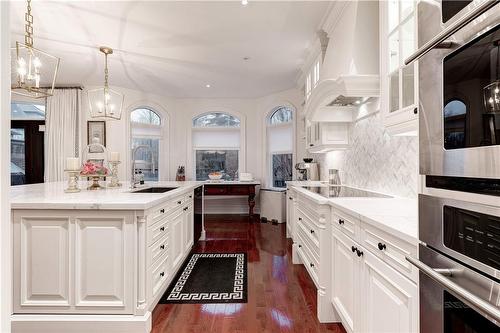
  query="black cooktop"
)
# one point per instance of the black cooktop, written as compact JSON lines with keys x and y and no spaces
{"x":335,"y":191}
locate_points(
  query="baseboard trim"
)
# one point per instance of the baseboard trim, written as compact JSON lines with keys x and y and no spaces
{"x":59,"y":323}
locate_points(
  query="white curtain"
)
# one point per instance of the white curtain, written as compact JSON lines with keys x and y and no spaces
{"x":61,"y":131}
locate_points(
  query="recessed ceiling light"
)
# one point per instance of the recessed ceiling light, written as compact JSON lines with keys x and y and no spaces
{"x":357,"y":102}
{"x":207,"y":85}
{"x":244,"y":2}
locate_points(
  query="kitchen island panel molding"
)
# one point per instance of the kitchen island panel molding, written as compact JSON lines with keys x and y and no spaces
{"x":83,"y":270}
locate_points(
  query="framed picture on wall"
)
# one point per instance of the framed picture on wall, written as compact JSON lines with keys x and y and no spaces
{"x":96,"y":129}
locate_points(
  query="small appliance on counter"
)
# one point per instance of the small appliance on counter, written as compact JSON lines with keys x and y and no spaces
{"x":246,"y":177}
{"x":308,"y":170}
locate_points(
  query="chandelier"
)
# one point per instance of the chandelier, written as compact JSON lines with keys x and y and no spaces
{"x":105,"y":102}
{"x":492,"y":90}
{"x":31,"y":67}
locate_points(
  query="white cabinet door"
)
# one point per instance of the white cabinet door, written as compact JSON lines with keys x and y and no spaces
{"x":188,"y":228}
{"x":41,"y":262}
{"x":345,"y":279}
{"x":390,"y":302}
{"x":104,"y":260}
{"x":399,"y":83}
{"x":177,"y":238}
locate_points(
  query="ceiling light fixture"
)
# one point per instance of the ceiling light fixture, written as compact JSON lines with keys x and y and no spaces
{"x":207,"y":85}
{"x":244,"y":2}
{"x":105,"y":102}
{"x":32,"y":67}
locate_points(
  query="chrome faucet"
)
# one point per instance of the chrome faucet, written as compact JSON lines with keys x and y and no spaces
{"x":133,"y":181}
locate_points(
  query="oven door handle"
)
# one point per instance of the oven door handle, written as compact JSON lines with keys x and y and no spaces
{"x":488,"y":309}
{"x":450,"y":30}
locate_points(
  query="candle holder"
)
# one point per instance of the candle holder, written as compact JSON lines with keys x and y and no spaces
{"x":114,"y":174}
{"x":72,"y":181}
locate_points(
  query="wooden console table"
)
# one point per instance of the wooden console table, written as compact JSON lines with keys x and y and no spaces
{"x":233,"y":188}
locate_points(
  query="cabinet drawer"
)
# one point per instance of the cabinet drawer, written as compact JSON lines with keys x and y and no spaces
{"x":345,"y":222}
{"x":159,"y":249}
{"x":157,"y":231}
{"x":308,"y":259}
{"x":390,"y":249}
{"x":159,"y":275}
{"x":306,"y":237}
{"x":215,"y":190}
{"x":310,"y":228}
{"x":240,"y":190}
{"x":159,"y":212}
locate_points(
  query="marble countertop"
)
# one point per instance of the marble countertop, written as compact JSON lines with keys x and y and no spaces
{"x":52,"y":196}
{"x":397,"y":216}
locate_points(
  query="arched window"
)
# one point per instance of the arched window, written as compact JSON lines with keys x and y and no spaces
{"x":455,"y":121}
{"x":146,"y":130}
{"x":216,"y":119}
{"x":280,"y":145}
{"x":280,"y":115}
{"x":216,"y":145}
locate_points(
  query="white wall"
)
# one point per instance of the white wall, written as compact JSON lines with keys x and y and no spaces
{"x":180,"y":113}
{"x":5,"y":225}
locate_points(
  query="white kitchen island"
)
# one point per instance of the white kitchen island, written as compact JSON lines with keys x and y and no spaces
{"x":95,"y":261}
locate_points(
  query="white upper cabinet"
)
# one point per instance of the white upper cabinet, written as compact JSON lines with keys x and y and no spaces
{"x":399,"y":83}
{"x":322,"y":137}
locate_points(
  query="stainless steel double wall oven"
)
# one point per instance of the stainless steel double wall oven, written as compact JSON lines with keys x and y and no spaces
{"x":459,"y":106}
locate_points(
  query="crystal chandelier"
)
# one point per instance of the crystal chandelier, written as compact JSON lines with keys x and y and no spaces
{"x":32,"y":67}
{"x":105,"y":102}
{"x":492,"y":90}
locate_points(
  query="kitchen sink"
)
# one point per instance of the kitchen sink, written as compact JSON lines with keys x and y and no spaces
{"x":155,"y":190}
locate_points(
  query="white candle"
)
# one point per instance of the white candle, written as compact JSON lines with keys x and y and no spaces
{"x":114,"y":156}
{"x":72,"y":163}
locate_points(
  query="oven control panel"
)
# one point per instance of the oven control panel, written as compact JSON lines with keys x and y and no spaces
{"x":473,"y":234}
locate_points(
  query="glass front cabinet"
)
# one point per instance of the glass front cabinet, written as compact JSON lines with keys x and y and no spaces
{"x":399,"y":83}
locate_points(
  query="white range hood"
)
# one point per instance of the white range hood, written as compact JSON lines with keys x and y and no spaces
{"x":349,"y":76}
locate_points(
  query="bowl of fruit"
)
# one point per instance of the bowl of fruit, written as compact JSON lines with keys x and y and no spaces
{"x":217,"y":175}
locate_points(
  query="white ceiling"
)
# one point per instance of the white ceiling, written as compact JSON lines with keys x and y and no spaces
{"x":176,"y":48}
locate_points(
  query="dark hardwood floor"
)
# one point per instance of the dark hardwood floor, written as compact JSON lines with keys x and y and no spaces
{"x":281,"y":296}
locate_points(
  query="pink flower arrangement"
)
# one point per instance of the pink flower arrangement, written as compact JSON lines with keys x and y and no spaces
{"x":90,"y":168}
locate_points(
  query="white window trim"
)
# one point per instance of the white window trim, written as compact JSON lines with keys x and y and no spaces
{"x":163,"y":145}
{"x":191,"y":160}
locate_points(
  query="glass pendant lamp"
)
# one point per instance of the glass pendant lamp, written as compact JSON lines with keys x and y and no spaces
{"x":33,"y":71}
{"x":105,"y":103}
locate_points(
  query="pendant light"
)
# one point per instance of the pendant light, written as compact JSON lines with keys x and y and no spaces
{"x":492,"y":90}
{"x":30,"y":67}
{"x":105,"y":102}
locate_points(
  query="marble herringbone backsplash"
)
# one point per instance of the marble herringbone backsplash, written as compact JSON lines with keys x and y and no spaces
{"x":376,"y":160}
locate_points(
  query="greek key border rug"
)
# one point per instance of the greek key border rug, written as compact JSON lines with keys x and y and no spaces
{"x":210,"y":278}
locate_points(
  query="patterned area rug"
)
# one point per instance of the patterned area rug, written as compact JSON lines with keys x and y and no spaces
{"x":210,"y":278}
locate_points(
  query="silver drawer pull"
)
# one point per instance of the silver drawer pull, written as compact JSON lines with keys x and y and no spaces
{"x":435,"y":274}
{"x":457,"y":25}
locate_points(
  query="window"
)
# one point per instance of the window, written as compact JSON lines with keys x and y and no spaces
{"x":27,"y":111}
{"x":308,"y":86}
{"x":280,"y":145}
{"x":216,"y":119}
{"x":146,"y":130}
{"x":216,"y":145}
{"x":316,"y":73}
{"x":27,"y":142}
